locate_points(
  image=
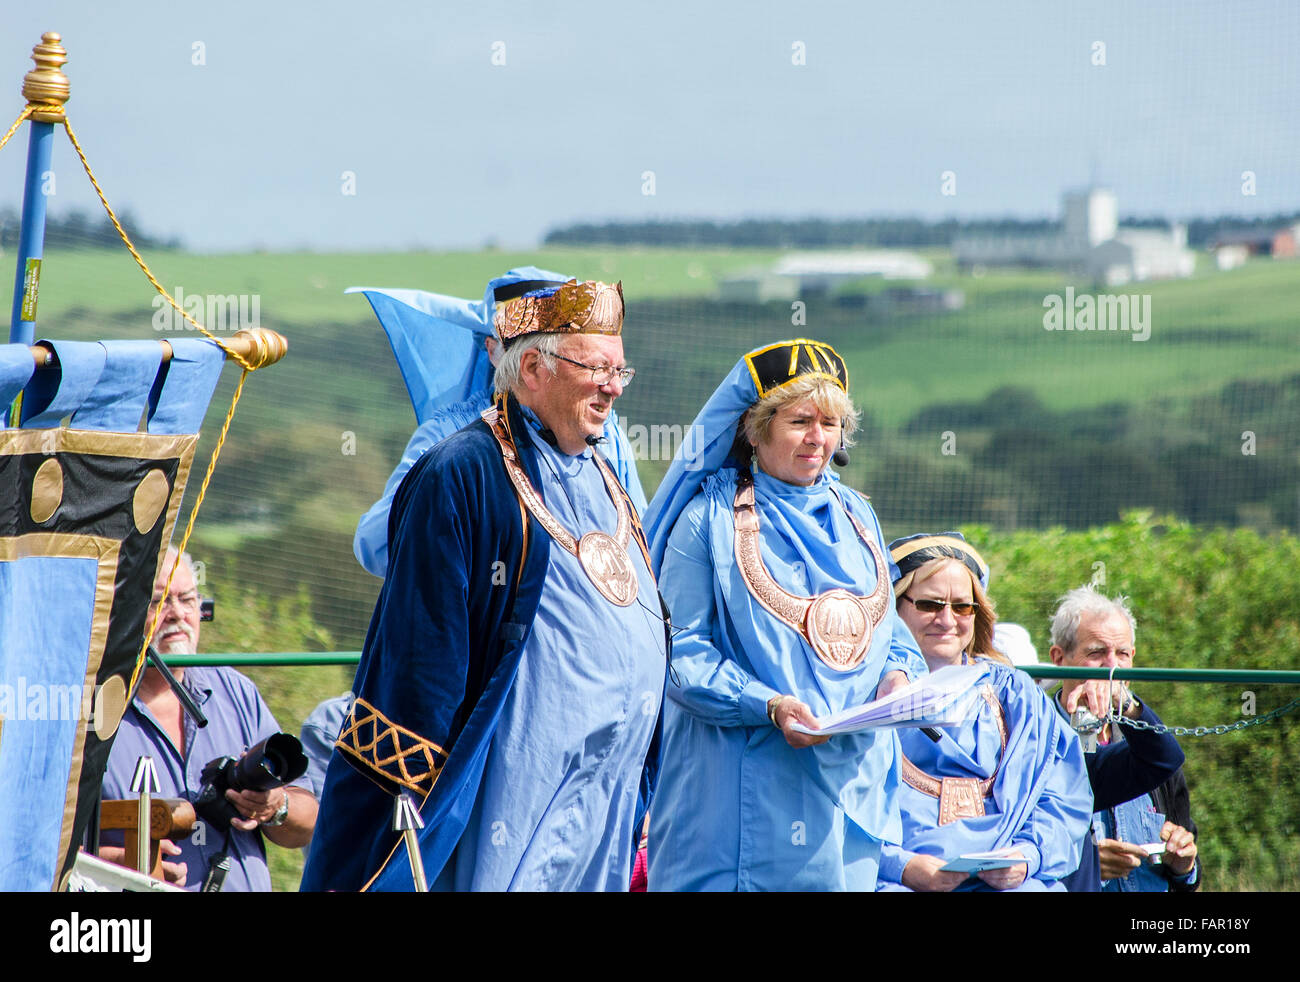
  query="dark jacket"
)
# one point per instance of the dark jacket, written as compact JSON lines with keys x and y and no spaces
{"x":1119,"y":772}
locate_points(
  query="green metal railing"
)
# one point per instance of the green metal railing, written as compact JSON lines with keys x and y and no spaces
{"x":1247,"y":676}
{"x":269,"y":658}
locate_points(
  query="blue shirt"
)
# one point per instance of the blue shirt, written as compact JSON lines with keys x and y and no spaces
{"x":1138,"y":821}
{"x":1118,"y":772}
{"x":237,"y":719}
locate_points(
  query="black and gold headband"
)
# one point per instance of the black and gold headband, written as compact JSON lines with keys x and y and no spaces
{"x":781,"y":363}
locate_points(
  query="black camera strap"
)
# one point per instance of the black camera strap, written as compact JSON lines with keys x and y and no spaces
{"x":217,"y":871}
{"x":186,"y":700}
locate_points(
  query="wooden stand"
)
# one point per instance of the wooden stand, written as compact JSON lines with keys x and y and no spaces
{"x":169,"y":818}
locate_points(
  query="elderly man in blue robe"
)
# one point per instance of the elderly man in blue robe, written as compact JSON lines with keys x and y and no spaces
{"x":513,"y":673}
{"x":429,"y":332}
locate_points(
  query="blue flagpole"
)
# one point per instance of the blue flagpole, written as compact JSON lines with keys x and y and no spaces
{"x":31,"y":244}
{"x":44,"y":87}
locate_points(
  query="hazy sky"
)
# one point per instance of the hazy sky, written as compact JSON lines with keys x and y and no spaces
{"x":250,"y":146}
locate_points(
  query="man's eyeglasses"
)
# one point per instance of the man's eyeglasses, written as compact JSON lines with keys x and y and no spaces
{"x":187,"y":602}
{"x":934,"y":606}
{"x":604,"y":374}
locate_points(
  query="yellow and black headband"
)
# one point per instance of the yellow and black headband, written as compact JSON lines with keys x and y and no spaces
{"x":782,"y":363}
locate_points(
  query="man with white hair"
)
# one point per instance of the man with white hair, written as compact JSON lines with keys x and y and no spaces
{"x":156,"y":724}
{"x":511,"y":680}
{"x":1139,"y":792}
{"x":370,"y":543}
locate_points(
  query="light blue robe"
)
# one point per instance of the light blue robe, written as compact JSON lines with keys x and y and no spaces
{"x":737,"y":807}
{"x":1041,"y":800}
{"x":556,"y":807}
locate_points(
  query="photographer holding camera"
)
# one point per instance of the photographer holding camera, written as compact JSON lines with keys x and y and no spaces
{"x":216,"y":856}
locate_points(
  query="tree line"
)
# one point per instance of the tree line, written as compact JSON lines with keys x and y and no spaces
{"x":80,"y":230}
{"x":826,"y":233}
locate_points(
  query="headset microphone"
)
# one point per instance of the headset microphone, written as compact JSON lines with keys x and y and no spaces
{"x":840,"y":458}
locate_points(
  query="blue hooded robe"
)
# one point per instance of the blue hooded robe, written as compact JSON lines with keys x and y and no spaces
{"x":737,"y":807}
{"x":1040,"y":801}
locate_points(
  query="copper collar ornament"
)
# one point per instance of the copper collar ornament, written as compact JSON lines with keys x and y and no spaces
{"x":959,"y":797}
{"x":836,"y":623}
{"x":571,"y":308}
{"x":603,"y":558}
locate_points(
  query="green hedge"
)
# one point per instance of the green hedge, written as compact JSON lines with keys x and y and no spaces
{"x":1203,"y":598}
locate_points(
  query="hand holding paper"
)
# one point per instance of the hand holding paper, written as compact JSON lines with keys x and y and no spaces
{"x":943,"y":698}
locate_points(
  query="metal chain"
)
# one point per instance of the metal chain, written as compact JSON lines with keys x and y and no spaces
{"x":1139,"y":724}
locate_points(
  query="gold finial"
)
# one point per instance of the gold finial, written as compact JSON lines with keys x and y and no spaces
{"x":45,"y":85}
{"x":259,"y":346}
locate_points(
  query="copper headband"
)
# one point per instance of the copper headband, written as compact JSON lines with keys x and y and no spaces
{"x":571,"y":308}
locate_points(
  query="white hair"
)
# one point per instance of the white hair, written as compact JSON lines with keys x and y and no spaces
{"x":174,"y":551}
{"x":1086,"y":600}
{"x":506,"y":379}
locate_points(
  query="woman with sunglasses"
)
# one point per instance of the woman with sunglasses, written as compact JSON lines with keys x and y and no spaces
{"x":777,"y":580}
{"x":1011,"y":777}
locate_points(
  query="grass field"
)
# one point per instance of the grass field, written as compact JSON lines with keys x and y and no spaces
{"x":299,"y":289}
{"x":1205,"y":331}
{"x":316,"y":435}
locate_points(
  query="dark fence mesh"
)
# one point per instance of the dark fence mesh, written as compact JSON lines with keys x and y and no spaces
{"x":972,"y":411}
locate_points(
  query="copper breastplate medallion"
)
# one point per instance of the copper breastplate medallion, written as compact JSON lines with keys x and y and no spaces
{"x":604,"y":558}
{"x":959,"y":797}
{"x":837,"y":624}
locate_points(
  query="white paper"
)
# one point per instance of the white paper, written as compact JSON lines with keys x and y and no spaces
{"x":977,"y":862}
{"x":943,"y":698}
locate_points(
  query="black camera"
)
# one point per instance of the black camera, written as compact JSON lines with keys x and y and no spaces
{"x":275,"y":761}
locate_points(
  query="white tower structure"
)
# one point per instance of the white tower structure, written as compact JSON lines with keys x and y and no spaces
{"x":1091,"y":217}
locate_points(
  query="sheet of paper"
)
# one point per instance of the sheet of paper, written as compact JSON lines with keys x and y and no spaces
{"x":1154,"y":852}
{"x":977,"y":862}
{"x":943,"y":698}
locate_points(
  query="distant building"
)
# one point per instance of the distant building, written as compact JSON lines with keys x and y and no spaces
{"x":1141,"y":254}
{"x":1089,"y":242}
{"x":757,"y":286}
{"x":821,"y":270}
{"x":805,"y":274}
{"x":1232,"y":248}
{"x":905,"y":300}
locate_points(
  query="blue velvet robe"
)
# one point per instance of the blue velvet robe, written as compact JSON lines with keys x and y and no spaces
{"x":439,"y":660}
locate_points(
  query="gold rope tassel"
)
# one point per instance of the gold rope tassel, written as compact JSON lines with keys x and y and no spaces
{"x":189,"y":527}
{"x":27,"y":111}
{"x":139,"y":261}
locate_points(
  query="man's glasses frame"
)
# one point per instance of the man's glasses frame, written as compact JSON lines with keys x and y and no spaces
{"x":604,"y":374}
{"x":959,"y":608}
{"x":187,"y":602}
